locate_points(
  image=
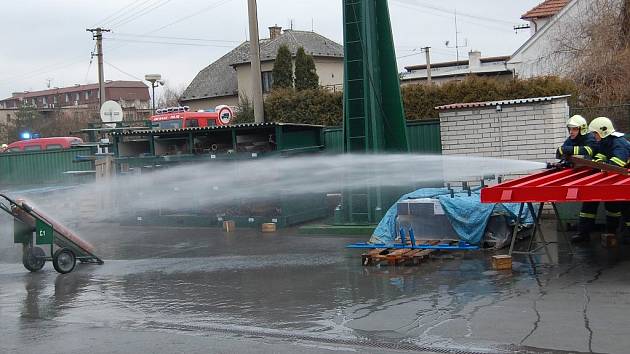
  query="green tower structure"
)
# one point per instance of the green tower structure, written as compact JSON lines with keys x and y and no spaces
{"x":374,"y":119}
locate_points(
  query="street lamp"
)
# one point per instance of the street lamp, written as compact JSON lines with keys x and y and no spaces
{"x":155,"y":80}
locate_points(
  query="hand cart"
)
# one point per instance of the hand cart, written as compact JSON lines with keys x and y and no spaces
{"x":32,"y":227}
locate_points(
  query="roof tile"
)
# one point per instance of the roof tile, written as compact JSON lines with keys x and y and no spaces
{"x":547,"y":8}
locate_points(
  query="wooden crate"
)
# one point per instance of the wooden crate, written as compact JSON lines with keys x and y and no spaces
{"x":609,"y":240}
{"x":268,"y":227}
{"x":502,"y":262}
{"x":229,"y":225}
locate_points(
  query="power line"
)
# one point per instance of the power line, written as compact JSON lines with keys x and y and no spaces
{"x":450,"y":11}
{"x":122,"y":71}
{"x":198,"y":12}
{"x":143,"y":11}
{"x":420,"y":8}
{"x":117,"y":14}
{"x":169,"y":43}
{"x":175,"y":38}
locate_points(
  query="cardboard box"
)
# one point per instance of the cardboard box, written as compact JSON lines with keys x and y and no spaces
{"x":229,"y":225}
{"x":269,"y":227}
{"x":502,"y":262}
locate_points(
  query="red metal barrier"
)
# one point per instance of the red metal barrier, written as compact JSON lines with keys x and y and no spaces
{"x":581,"y":184}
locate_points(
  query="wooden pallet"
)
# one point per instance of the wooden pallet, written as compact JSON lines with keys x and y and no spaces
{"x":394,"y":257}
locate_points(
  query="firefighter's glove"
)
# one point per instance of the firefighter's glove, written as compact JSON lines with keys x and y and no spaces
{"x":564,"y":151}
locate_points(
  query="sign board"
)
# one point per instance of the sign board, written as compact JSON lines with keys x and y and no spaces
{"x":43,"y":233}
{"x":111,"y":112}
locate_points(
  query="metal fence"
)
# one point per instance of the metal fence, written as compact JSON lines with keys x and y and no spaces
{"x":423,"y":137}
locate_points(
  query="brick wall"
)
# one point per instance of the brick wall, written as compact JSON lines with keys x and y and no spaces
{"x":523,"y":131}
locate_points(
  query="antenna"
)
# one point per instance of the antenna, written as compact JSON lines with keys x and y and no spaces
{"x":456,"y":40}
{"x":457,"y":45}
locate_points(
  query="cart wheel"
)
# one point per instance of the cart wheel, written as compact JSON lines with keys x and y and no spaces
{"x":33,"y":258}
{"x":64,"y":260}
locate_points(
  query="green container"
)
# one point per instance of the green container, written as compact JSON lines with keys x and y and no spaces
{"x":43,"y":167}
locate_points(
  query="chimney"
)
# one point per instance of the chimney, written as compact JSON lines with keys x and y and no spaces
{"x":274,"y":32}
{"x":474,"y":60}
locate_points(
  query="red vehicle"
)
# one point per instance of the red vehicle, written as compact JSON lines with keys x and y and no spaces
{"x":39,"y":144}
{"x":181,"y":117}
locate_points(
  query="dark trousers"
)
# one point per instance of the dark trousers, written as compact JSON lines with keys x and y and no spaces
{"x":614,"y":212}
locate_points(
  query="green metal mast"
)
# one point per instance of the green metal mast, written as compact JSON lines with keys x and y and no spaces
{"x":374,"y":119}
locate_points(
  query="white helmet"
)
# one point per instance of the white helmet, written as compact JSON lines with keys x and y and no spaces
{"x":577,"y":121}
{"x":602,"y":126}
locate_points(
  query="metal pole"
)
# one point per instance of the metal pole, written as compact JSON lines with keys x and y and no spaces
{"x":99,"y":53}
{"x":254,"y":53}
{"x":426,"y":52}
{"x":153,"y":96}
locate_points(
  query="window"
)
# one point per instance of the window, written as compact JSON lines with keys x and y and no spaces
{"x":67,"y":97}
{"x":32,"y":148}
{"x":87,"y":95}
{"x":54,"y":99}
{"x":44,"y":100}
{"x":267,"y":81}
{"x":193,"y":123}
{"x":54,"y":146}
{"x":77,"y":96}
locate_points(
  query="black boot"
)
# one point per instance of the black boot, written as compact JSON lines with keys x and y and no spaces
{"x":580,"y":238}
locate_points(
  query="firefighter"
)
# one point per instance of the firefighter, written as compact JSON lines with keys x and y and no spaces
{"x":580,"y":140}
{"x":613,"y":149}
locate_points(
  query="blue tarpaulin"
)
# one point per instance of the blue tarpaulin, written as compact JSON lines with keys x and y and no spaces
{"x":468,"y":216}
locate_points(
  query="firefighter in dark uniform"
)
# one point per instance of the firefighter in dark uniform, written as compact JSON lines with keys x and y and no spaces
{"x":580,"y":140}
{"x":613,"y":149}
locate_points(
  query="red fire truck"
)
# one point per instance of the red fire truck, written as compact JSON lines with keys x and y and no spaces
{"x":182,"y":117}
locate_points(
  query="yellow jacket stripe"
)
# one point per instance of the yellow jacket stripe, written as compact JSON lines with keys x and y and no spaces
{"x":576,"y":150}
{"x":589,"y":150}
{"x":618,"y":161}
{"x":587,"y":215}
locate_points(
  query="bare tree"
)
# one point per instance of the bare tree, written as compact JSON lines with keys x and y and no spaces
{"x":170,"y":95}
{"x":592,"y":47}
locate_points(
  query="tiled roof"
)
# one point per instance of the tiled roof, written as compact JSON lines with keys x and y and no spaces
{"x":547,"y":8}
{"x":495,"y":103}
{"x":78,"y":88}
{"x":219,"y":78}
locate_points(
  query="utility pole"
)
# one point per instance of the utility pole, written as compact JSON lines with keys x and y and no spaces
{"x":97,"y":33}
{"x":254,"y":54}
{"x":426,"y":52}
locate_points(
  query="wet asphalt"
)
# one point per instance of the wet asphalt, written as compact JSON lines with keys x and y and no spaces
{"x":202,"y":290}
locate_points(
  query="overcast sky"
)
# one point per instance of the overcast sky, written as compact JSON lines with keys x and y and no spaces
{"x":45,"y":41}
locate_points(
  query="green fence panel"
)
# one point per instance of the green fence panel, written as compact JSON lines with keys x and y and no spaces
{"x":423,"y":137}
{"x":41,"y":167}
{"x":333,"y":140}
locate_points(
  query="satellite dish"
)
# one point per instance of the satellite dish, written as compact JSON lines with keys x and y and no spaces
{"x":111,"y":112}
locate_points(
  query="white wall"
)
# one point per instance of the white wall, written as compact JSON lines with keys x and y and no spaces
{"x":528,"y":131}
{"x":540,"y":56}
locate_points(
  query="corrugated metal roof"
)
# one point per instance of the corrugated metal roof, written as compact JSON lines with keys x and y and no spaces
{"x":495,"y":103}
{"x":222,"y":127}
{"x":547,"y":8}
